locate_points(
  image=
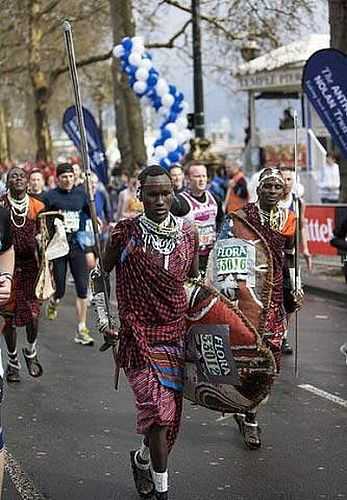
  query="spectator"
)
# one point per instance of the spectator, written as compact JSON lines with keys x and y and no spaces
{"x":237,"y":194}
{"x":177,"y":177}
{"x":36,"y":183}
{"x":329,"y":182}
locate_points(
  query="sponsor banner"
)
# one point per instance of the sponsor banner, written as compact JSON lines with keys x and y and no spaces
{"x":320,"y":222}
{"x":325,"y":84}
{"x":96,"y":150}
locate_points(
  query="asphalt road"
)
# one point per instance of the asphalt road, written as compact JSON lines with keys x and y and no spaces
{"x":69,"y":433}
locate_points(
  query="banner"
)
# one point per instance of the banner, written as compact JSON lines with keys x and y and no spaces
{"x":320,"y":222}
{"x":325,"y":84}
{"x":96,"y":150}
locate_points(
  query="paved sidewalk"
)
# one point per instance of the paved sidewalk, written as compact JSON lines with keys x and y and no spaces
{"x":326,"y":281}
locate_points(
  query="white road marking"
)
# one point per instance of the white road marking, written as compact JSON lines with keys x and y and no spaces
{"x":21,"y":481}
{"x":324,"y":394}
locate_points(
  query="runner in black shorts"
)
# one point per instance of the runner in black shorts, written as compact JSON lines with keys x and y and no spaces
{"x":72,"y":202}
{"x":6,"y":273}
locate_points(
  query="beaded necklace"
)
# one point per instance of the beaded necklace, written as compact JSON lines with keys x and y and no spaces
{"x":19,"y":209}
{"x":161,"y":237}
{"x":275,"y":218}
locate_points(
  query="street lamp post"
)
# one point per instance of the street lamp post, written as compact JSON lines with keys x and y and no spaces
{"x":199,"y":118}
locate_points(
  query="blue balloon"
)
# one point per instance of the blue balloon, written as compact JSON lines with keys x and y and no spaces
{"x":152,"y":80}
{"x":127,"y":44}
{"x":165,"y":134}
{"x":172,"y":117}
{"x":131,"y":69}
{"x":131,"y":80}
{"x":176,"y":108}
{"x":179,"y":97}
{"x":172,"y":89}
{"x":147,"y":55}
{"x":158,"y":142}
{"x":174,"y":156}
{"x":165,"y":163}
{"x":157,"y":103}
{"x":181,"y":150}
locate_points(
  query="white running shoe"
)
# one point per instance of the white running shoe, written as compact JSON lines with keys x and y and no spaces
{"x":83,"y":337}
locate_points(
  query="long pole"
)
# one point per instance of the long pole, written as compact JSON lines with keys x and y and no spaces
{"x":199,"y":117}
{"x":297,"y":243}
{"x":87,"y":171}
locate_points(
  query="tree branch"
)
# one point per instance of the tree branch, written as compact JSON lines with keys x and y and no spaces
{"x":49,"y":8}
{"x":170,"y":44}
{"x":80,"y":64}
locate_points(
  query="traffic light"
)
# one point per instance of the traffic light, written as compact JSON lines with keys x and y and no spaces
{"x":191,"y":121}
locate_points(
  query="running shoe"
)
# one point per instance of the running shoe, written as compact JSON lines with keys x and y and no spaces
{"x":83,"y":337}
{"x":52,"y":312}
{"x":343,"y":350}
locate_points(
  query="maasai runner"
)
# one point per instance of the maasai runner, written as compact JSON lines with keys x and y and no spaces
{"x":23,"y":309}
{"x":153,"y":254}
{"x":277,"y":226}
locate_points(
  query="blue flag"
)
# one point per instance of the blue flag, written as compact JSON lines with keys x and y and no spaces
{"x":96,"y":150}
{"x":325,"y":84}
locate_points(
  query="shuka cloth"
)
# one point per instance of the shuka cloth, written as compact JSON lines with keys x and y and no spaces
{"x":151,"y":300}
{"x":152,"y":304}
{"x":23,"y":304}
{"x":276,"y":321}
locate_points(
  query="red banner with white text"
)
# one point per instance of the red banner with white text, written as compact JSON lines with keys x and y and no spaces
{"x":320,"y":222}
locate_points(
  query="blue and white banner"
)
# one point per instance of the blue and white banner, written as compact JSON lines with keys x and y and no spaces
{"x":96,"y":150}
{"x":325,"y":84}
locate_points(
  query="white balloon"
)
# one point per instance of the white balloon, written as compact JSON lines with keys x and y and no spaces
{"x":156,"y":134}
{"x":185,"y":106}
{"x":186,"y":148}
{"x":181,"y":138}
{"x":163,"y":111}
{"x":167,"y":100}
{"x":160,"y":152}
{"x":146,"y":64}
{"x":140,"y":87}
{"x":172,"y":128}
{"x":118,"y":51}
{"x":170,"y":145}
{"x":135,"y":58}
{"x":181,"y":122}
{"x":137,"y":41}
{"x":141,"y":74}
{"x":162,"y":87}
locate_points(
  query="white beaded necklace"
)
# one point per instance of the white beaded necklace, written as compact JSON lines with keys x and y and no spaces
{"x":19,"y":209}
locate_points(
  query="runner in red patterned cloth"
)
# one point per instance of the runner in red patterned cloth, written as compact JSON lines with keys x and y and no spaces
{"x":153,"y":255}
{"x":23,"y":309}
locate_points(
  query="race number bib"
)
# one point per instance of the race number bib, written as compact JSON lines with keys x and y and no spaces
{"x":71,"y":221}
{"x":213,"y":355}
{"x":232,"y":259}
{"x":207,"y":235}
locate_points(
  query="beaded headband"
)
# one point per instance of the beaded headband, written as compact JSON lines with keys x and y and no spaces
{"x":273,"y":173}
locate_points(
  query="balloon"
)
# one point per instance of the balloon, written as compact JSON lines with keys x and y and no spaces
{"x":185,"y":107}
{"x":186,"y":148}
{"x":160,"y":152}
{"x":152,"y":80}
{"x":163,"y":111}
{"x":167,"y":100}
{"x":141,"y":74}
{"x":172,"y":128}
{"x":140,"y":87}
{"x":172,"y":89}
{"x":170,"y":145}
{"x":146,"y":64}
{"x":181,"y":150}
{"x":174,"y":156}
{"x":137,"y":41}
{"x":181,"y":137}
{"x":131,"y":80}
{"x":131,"y":70}
{"x":157,"y":103}
{"x":127,"y":43}
{"x":182,"y":122}
{"x":176,"y":108}
{"x":165,"y":163}
{"x":158,"y":142}
{"x":118,"y":51}
{"x":162,"y":87}
{"x":165,"y":134}
{"x":135,"y":58}
{"x":179,"y":97}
